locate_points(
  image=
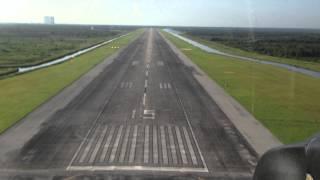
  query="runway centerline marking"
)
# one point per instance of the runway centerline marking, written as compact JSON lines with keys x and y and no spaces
{"x":146,"y":83}
{"x":133,"y":114}
{"x":144,"y":99}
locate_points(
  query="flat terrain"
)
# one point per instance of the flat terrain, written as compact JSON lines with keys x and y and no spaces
{"x":143,"y":117}
{"x":23,"y":93}
{"x":298,"y":47}
{"x":28,"y":44}
{"x":286,"y":102}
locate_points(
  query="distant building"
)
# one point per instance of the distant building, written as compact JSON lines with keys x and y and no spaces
{"x":49,"y":20}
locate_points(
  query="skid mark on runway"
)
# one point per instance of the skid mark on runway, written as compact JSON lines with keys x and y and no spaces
{"x":165,"y":148}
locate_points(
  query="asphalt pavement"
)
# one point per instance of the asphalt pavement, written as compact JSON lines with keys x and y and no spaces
{"x":143,"y":117}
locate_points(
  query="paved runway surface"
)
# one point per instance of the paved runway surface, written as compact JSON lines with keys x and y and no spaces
{"x":144,"y":117}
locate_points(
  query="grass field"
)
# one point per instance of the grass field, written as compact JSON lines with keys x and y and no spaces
{"x":287,"y":103}
{"x":23,"y":93}
{"x":231,"y":50}
{"x":29,"y":44}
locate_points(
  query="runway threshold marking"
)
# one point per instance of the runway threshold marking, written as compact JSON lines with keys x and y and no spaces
{"x":161,"y":145}
{"x":146,"y":145}
{"x":134,"y":143}
{"x":192,"y":153}
{"x":172,"y":146}
{"x":136,"y":168}
{"x":95,"y":151}
{"x":124,"y":145}
{"x":87,"y":148}
{"x":181,"y":146}
{"x":116,"y":144}
{"x":155,"y":146}
{"x":107,"y":144}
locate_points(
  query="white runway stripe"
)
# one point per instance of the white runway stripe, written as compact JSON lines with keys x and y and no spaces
{"x":163,"y":145}
{"x":133,"y":114}
{"x":86,"y":150}
{"x":115,"y":145}
{"x":144,"y":99}
{"x":169,"y":85}
{"x":145,"y":83}
{"x":172,"y":146}
{"x":137,"y":168}
{"x":133,"y":144}
{"x":146,"y":145}
{"x":107,"y":144}
{"x":189,"y":144}
{"x":124,"y":145}
{"x":98,"y":145}
{"x":155,"y":146}
{"x":181,"y":146}
{"x":160,"y":85}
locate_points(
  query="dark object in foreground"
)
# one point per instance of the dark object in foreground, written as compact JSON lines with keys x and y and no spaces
{"x":290,"y":162}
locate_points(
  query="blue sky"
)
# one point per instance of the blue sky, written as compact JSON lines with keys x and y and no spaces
{"x":216,"y":13}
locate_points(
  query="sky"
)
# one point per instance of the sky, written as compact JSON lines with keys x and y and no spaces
{"x":209,"y":13}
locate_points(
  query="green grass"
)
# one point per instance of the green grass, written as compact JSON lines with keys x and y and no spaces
{"x":304,"y":64}
{"x":287,"y":103}
{"x":23,"y":93}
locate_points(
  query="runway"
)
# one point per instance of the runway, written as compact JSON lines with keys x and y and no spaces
{"x":144,"y":115}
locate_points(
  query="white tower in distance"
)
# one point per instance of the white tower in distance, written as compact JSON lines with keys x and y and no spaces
{"x":48,"y":20}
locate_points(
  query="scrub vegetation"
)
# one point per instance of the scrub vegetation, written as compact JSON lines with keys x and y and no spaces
{"x":299,"y":47}
{"x":21,"y":94}
{"x":286,"y":102}
{"x":31,"y":44}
